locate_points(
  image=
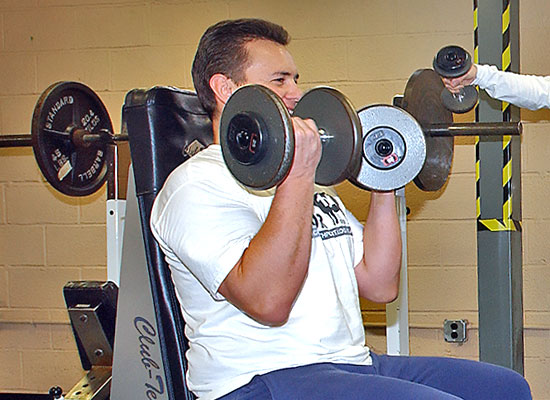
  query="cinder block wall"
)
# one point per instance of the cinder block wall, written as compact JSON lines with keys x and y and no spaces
{"x":367,"y":49}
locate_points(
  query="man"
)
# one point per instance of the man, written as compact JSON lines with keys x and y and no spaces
{"x":525,"y":91}
{"x":271,"y":301}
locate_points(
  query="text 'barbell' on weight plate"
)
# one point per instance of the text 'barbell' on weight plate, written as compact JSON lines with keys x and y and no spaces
{"x":63,"y":115}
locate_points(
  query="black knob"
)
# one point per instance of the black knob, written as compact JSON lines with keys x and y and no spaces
{"x":56,"y":392}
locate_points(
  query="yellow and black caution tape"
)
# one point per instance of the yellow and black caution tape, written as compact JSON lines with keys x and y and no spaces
{"x":476,"y":61}
{"x":505,"y":224}
{"x":506,"y":114}
{"x":498,"y":225}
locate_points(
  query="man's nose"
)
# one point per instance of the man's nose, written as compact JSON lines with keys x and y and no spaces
{"x":294,"y":94}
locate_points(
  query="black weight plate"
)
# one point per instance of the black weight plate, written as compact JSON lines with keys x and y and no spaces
{"x":422,"y":99}
{"x":393,"y":150}
{"x":336,"y":117}
{"x":452,"y":61}
{"x":262,"y":108}
{"x":461,"y":102}
{"x":61,"y":109}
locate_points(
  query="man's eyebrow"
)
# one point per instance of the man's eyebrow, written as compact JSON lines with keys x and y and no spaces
{"x":285,"y":74}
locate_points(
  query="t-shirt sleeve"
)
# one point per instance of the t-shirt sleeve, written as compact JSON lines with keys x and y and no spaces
{"x":206,"y":229}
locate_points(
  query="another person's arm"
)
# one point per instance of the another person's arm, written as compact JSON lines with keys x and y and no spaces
{"x":525,"y":91}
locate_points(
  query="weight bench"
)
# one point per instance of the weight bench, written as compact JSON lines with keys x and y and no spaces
{"x":165,"y":126}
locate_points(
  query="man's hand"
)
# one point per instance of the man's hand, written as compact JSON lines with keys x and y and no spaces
{"x":455,"y":84}
{"x":307,"y":149}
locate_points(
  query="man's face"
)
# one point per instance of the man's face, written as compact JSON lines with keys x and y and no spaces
{"x":271,"y":65}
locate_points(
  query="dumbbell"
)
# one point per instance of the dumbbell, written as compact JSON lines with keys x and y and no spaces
{"x":257,"y":137}
{"x":453,"y":62}
{"x":371,"y":148}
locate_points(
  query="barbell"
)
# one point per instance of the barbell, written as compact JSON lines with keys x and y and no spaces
{"x":413,"y":140}
{"x":71,"y":132}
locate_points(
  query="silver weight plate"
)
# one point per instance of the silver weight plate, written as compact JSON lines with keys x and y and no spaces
{"x":393,"y":148}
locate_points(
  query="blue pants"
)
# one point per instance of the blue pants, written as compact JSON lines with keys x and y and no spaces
{"x":390,"y":377}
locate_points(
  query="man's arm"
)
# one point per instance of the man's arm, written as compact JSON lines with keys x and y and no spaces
{"x":378,"y":272}
{"x":268,"y":277}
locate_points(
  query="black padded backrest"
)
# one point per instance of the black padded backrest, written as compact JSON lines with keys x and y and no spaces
{"x":165,"y":126}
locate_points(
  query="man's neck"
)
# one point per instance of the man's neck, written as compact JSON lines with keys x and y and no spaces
{"x":216,"y":128}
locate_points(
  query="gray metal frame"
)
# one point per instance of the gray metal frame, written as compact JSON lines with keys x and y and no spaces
{"x":499,"y":249}
{"x":138,"y":370}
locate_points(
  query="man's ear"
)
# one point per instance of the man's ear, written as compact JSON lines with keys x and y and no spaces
{"x":222,"y":86}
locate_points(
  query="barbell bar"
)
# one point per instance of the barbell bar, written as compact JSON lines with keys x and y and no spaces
{"x":473,"y":129}
{"x":437,"y":130}
{"x":71,"y":130}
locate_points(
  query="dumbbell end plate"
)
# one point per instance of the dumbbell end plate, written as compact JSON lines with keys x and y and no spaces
{"x":336,"y":117}
{"x":460,"y":104}
{"x":277,"y":138}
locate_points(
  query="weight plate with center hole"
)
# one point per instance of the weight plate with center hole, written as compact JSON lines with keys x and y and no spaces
{"x":340,"y":130}
{"x":422,"y":99}
{"x":63,"y":109}
{"x":256,"y":137}
{"x":393,"y":151}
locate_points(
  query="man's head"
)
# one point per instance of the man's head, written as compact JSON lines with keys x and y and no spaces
{"x":223,"y":50}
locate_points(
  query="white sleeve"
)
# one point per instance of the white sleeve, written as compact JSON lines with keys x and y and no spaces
{"x":206,"y":229}
{"x":526,"y":91}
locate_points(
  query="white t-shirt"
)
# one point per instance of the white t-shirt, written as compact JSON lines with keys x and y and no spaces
{"x":203,"y":220}
{"x":525,"y":91}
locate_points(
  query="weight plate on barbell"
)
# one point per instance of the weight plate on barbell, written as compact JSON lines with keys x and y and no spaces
{"x":422,"y":99}
{"x":62,"y":109}
{"x":393,"y":151}
{"x":256,"y":137}
{"x":340,"y":130}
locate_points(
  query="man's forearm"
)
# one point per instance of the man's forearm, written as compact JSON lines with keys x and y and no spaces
{"x":268,"y":277}
{"x":378,"y":273}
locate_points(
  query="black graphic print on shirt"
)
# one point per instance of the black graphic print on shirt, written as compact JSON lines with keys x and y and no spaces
{"x":329,"y":220}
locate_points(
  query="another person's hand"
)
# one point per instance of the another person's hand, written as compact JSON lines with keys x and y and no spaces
{"x":455,"y":84}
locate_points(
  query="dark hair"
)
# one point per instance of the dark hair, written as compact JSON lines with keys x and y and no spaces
{"x":222,"y":50}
